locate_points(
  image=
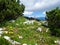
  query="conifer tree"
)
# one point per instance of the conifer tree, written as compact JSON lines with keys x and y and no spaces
{"x":10,"y":9}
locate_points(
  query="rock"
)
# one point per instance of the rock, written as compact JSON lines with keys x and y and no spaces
{"x":29,"y":22}
{"x":15,"y":43}
{"x":12,"y":21}
{"x":45,"y":23}
{"x":39,"y":29}
{"x":1,"y":32}
{"x":7,"y":38}
{"x":57,"y":42}
{"x":39,"y":23}
{"x":11,"y":41}
{"x":1,"y":29}
{"x":24,"y":44}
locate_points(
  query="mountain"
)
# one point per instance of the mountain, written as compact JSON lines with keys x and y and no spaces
{"x":37,"y":18}
{"x":41,"y":18}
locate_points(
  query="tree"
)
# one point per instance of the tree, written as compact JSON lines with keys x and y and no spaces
{"x":10,"y":9}
{"x":53,"y":18}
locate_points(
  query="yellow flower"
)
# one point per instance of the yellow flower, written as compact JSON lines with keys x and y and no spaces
{"x":6,"y":32}
{"x":11,"y":27}
{"x":10,"y":32}
{"x":20,"y":36}
{"x":17,"y":24}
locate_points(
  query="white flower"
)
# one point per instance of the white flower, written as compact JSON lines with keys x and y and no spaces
{"x":1,"y":29}
{"x":20,"y":37}
{"x":55,"y":41}
{"x":17,"y":24}
{"x":24,"y":44}
{"x":47,"y":30}
{"x":6,"y":32}
{"x":36,"y":44}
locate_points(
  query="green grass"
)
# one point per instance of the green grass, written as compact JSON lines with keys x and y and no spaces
{"x":28,"y":32}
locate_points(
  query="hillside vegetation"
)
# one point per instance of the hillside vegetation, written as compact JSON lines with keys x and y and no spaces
{"x":32,"y":33}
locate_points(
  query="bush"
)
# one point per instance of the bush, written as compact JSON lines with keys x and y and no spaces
{"x":53,"y":18}
{"x":10,"y":9}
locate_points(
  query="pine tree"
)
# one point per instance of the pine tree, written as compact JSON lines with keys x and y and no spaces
{"x":10,"y":9}
{"x":53,"y":18}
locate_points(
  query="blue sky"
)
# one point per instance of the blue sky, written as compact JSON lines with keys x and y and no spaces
{"x":37,"y":8}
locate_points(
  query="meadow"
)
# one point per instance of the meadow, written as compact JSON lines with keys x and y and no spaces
{"x":21,"y":32}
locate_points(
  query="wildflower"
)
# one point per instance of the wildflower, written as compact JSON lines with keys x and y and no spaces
{"x":17,"y":24}
{"x":36,"y":44}
{"x":10,"y":32}
{"x":11,"y":28}
{"x":47,"y":30}
{"x":6,"y":32}
{"x":20,"y":37}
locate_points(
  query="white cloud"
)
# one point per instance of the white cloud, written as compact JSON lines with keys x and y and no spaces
{"x":44,"y":12}
{"x":27,"y":13}
{"x":34,"y":5}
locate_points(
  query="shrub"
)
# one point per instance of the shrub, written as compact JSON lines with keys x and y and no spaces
{"x":10,"y":9}
{"x":53,"y":18}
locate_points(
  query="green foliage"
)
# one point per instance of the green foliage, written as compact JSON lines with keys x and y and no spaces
{"x":10,"y":9}
{"x":29,"y":33}
{"x":53,"y":18}
{"x":3,"y":41}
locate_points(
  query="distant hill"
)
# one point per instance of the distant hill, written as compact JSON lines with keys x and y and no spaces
{"x":38,"y":18}
{"x":41,"y":18}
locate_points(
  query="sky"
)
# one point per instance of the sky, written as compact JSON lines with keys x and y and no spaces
{"x":37,"y":8}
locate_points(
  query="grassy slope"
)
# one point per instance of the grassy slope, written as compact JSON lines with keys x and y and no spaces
{"x":29,"y":33}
